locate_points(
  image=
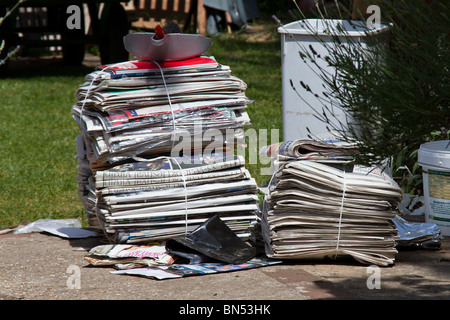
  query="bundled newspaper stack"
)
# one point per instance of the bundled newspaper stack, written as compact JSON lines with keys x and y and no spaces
{"x":148,"y":108}
{"x":156,"y":153}
{"x":169,"y":197}
{"x":315,"y":211}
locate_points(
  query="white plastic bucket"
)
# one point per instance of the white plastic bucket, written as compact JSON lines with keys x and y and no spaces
{"x":434,"y":157}
{"x":300,"y":107}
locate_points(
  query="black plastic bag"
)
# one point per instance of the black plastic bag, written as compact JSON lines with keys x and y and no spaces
{"x":216,"y":240}
{"x":180,"y":250}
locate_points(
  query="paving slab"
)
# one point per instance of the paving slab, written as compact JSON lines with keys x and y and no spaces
{"x":39,"y":266}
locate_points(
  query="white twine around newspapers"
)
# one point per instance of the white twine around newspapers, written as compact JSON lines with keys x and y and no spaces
{"x":185,"y":198}
{"x":90,"y":87}
{"x":138,"y":158}
{"x":116,"y":64}
{"x":267,"y":192}
{"x":170,"y":102}
{"x":184,"y":185}
{"x":173,"y":141}
{"x":340,"y":214}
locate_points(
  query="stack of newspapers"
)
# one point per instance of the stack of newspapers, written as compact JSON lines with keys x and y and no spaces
{"x":157,"y":149}
{"x":147,"y":108}
{"x":315,"y":211}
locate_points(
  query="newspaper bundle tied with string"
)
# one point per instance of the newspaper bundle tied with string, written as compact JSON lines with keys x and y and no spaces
{"x":319,"y":205}
{"x":157,"y":150}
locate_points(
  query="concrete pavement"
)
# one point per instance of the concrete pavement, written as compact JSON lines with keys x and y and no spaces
{"x":38,"y":267}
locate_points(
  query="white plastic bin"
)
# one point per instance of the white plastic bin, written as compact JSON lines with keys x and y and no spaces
{"x":298,"y":111}
{"x":434,"y":157}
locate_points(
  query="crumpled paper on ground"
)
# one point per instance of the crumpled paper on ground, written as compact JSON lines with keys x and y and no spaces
{"x":65,"y":228}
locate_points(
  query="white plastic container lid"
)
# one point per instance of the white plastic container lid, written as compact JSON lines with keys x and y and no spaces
{"x":435,"y":154}
{"x":326,"y":27}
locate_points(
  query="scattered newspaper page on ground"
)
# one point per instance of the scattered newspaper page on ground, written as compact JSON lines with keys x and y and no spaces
{"x":123,"y":256}
{"x":186,"y":270}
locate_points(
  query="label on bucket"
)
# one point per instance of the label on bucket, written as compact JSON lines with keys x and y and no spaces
{"x":440,"y":208}
{"x":437,"y":199}
{"x":438,"y":212}
{"x":439,"y":184}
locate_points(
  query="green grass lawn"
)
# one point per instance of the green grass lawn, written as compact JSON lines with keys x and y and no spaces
{"x":37,"y":164}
